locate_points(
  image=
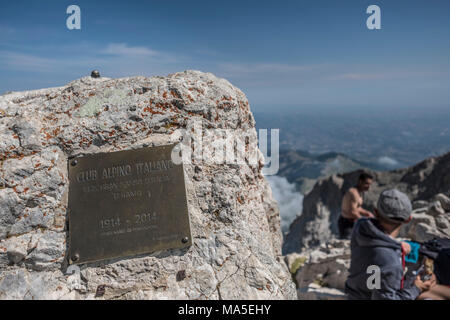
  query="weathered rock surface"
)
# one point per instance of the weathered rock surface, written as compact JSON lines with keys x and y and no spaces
{"x":428,"y":222}
{"x":320,"y":273}
{"x":235,"y":222}
{"x":321,"y":207}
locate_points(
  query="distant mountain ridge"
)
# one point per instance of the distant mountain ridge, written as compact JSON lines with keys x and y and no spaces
{"x":304,"y":168}
{"x":399,"y":140}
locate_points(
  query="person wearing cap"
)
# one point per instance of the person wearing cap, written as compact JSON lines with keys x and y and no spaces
{"x":374,"y":247}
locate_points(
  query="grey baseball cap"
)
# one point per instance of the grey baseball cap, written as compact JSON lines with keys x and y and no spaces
{"x":394,"y":205}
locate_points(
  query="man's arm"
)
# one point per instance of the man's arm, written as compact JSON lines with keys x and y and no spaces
{"x":356,"y":211}
{"x":435,"y":291}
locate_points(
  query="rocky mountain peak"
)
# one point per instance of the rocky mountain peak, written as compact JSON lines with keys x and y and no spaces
{"x":235,"y":222}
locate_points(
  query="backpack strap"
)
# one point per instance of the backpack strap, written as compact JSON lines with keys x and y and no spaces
{"x":403,"y":268}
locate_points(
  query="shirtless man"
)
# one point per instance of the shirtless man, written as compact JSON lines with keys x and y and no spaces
{"x":351,"y":209}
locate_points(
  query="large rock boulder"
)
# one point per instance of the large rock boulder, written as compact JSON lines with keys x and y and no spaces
{"x":429,"y":220}
{"x":320,"y":273}
{"x":235,"y":222}
{"x":322,"y":206}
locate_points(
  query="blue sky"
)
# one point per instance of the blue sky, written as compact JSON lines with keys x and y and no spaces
{"x":293,"y":54}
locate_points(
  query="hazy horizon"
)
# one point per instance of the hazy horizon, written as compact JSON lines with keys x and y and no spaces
{"x":403,"y":138}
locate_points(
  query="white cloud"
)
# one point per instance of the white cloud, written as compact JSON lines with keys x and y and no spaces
{"x":358,"y":76}
{"x":113,"y":60}
{"x":290,"y":201}
{"x":24,"y":62}
{"x":6,"y":30}
{"x":122,"y":49}
{"x":388,"y":161}
{"x":264,"y":69}
{"x":369,"y":75}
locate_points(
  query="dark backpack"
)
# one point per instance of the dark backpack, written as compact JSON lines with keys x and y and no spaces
{"x":438,"y":249}
{"x":442,"y":267}
{"x":432,"y":247}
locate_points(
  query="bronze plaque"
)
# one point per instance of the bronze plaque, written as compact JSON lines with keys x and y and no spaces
{"x":126,"y":203}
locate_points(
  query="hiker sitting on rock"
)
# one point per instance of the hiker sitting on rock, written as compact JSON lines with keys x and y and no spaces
{"x":351,"y":209}
{"x":377,"y":258}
